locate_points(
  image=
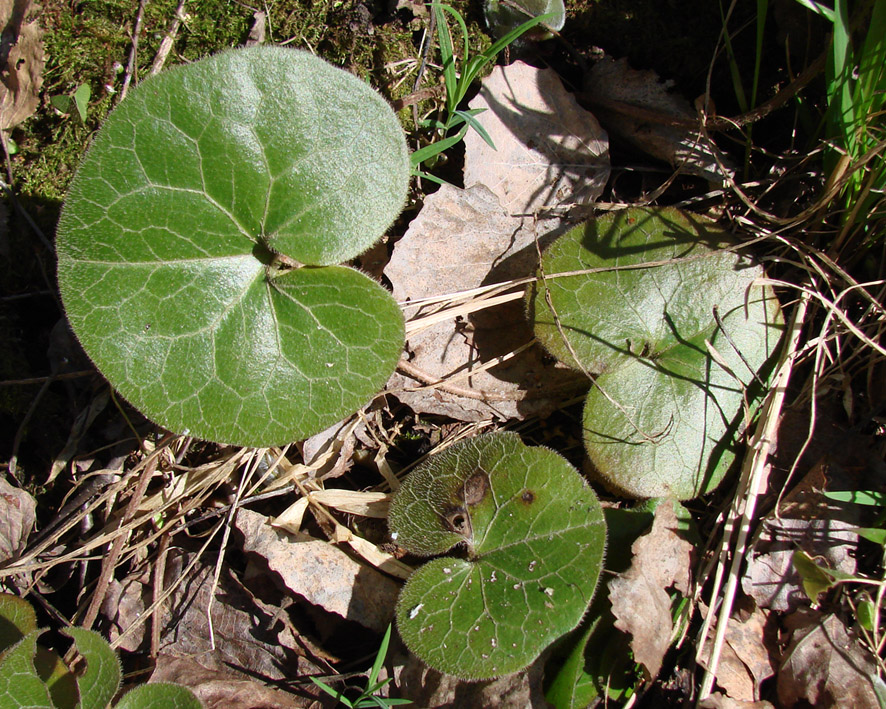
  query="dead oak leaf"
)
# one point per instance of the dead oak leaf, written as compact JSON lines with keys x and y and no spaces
{"x":639,"y":597}
{"x":21,"y":64}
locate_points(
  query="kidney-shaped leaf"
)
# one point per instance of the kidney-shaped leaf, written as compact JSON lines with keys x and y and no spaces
{"x":197,"y":244}
{"x":661,"y":320}
{"x":533,"y":537}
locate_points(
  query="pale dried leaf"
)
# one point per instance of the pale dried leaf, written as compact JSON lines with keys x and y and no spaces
{"x":825,"y":666}
{"x":744,"y":660}
{"x":321,"y":573}
{"x":641,"y":109}
{"x":640,"y":602}
{"x":355,"y":502}
{"x":460,"y":240}
{"x":549,"y":151}
{"x":292,"y":517}
{"x":224,"y":690}
{"x":21,"y":64}
{"x":17,"y":517}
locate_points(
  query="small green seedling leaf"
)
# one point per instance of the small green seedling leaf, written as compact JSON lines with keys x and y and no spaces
{"x":673,"y":328}
{"x":198,"y":245}
{"x":20,"y":685}
{"x":817,"y":579}
{"x":101,"y":680}
{"x":81,"y":100}
{"x":866,"y":614}
{"x":532,"y":535}
{"x":159,"y":695}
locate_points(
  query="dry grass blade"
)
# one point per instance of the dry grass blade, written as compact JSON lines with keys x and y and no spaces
{"x":754,"y":474}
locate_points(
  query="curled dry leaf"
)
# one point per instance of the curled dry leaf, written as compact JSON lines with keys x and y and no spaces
{"x":17,"y":517}
{"x":825,"y":665}
{"x":640,"y":601}
{"x":321,"y":573}
{"x":639,"y":108}
{"x":549,"y":151}
{"x":21,"y":63}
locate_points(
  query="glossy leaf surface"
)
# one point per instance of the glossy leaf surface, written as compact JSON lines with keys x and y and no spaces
{"x":533,"y":537}
{"x":660,"y":322}
{"x":177,"y":241}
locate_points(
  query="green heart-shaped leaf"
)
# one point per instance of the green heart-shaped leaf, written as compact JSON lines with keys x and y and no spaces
{"x":176,"y":243}
{"x":533,"y":535}
{"x":671,"y":387}
{"x":100,"y":681}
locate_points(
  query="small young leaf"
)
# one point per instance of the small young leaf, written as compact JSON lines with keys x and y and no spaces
{"x":100,"y":681}
{"x":81,"y":100}
{"x":533,"y":535}
{"x":159,"y":695}
{"x":816,"y":580}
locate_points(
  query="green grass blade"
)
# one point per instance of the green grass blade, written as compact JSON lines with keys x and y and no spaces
{"x":447,"y":56}
{"x":431,"y":178}
{"x":339,"y":695}
{"x":468,"y":118}
{"x":858,"y":497}
{"x":818,"y":8}
{"x":429,"y":151}
{"x":464,"y":29}
{"x":516,"y":33}
{"x":380,"y":657}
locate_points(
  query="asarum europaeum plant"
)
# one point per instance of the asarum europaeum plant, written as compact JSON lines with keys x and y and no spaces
{"x":524,"y":538}
{"x":677,"y":331}
{"x":200,"y":243}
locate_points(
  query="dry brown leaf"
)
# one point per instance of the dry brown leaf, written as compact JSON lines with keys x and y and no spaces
{"x":17,"y":517}
{"x":224,"y":690}
{"x":247,"y":634}
{"x":549,"y":151}
{"x":321,"y":573}
{"x":21,"y":64}
{"x":721,"y":701}
{"x":744,"y":660}
{"x":460,"y":240}
{"x":429,"y":688}
{"x":808,"y":521}
{"x":825,"y":666}
{"x":641,"y":109}
{"x":640,"y":602}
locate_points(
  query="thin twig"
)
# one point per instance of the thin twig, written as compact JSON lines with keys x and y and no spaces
{"x":168,"y":39}
{"x":109,"y":563}
{"x":132,"y":64}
